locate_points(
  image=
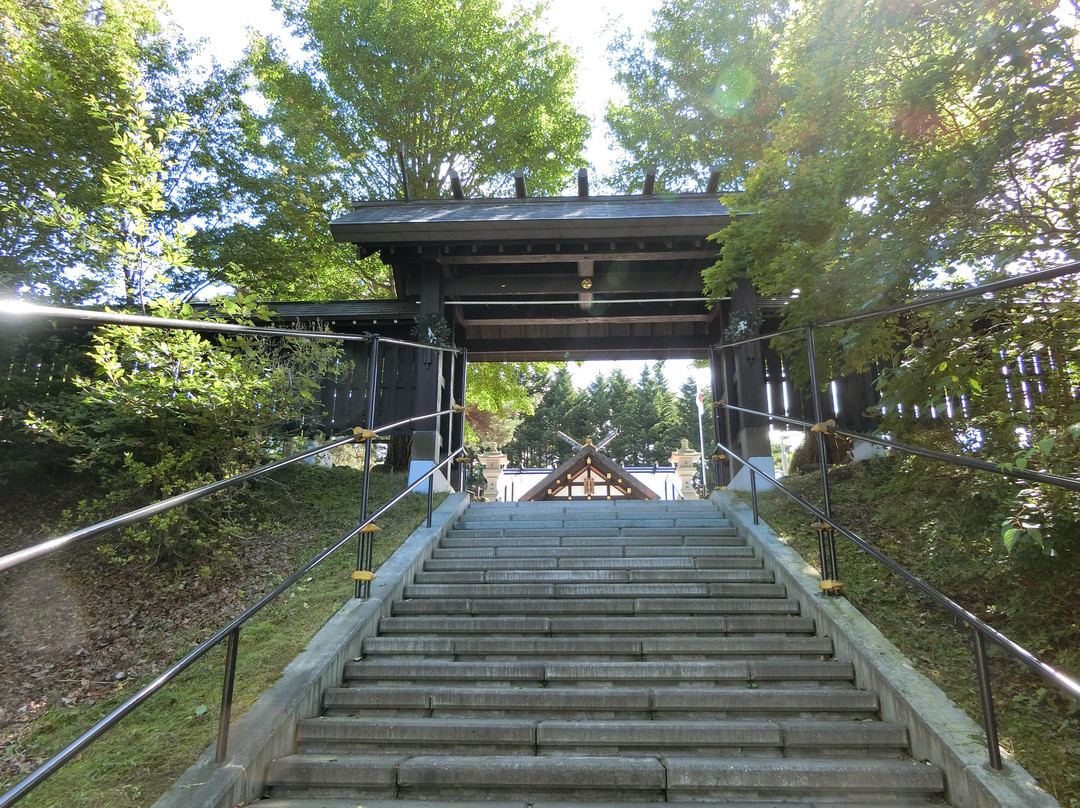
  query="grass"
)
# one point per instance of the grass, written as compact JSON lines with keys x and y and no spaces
{"x":942,"y":524}
{"x":137,"y":761}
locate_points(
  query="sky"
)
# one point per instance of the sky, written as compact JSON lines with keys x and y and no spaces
{"x":585,"y":25}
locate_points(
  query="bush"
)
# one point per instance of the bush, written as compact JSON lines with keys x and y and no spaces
{"x":170,"y":410}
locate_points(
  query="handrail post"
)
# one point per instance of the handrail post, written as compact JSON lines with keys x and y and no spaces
{"x":462,"y":385}
{"x":363,"y":541}
{"x":986,"y":696}
{"x":826,"y":536}
{"x":227,"y":687}
{"x":430,"y":498}
{"x":753,"y":492}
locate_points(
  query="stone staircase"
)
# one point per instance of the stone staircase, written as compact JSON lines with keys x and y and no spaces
{"x":598,"y":652}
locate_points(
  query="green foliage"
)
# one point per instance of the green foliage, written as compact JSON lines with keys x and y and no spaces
{"x":462,"y":86}
{"x":170,"y":410}
{"x":87,"y":144}
{"x":431,"y":329}
{"x":700,"y":91}
{"x":35,"y":367}
{"x":535,"y":444}
{"x":915,"y":141}
{"x":650,"y":419}
{"x":979,"y":361}
{"x":880,"y":150}
{"x":500,"y":395}
{"x":877,"y":147}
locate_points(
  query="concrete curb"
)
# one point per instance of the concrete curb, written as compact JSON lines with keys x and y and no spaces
{"x":939,"y":731}
{"x":268,"y":729}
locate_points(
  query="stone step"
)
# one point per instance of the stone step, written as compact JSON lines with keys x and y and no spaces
{"x":575,"y":778}
{"x":586,"y":606}
{"x":743,"y":673}
{"x":639,"y":626}
{"x":590,"y":702}
{"x":456,"y":541}
{"x":588,"y":515}
{"x":739,"y":558}
{"x":523,"y":531}
{"x":520,"y":736}
{"x":637,"y":576}
{"x":592,"y":514}
{"x":595,"y":654}
{"x":595,"y":590}
{"x":628,"y":648}
{"x":330,"y":802}
{"x":591,"y":531}
{"x":508,"y":550}
{"x":659,"y":516}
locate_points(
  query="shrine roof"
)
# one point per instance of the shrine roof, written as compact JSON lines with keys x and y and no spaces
{"x":626,"y":485}
{"x":547,"y":218}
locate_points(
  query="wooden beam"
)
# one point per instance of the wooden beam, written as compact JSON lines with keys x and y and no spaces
{"x":573,"y":258}
{"x":690,"y":346}
{"x":681,"y":284}
{"x":585,"y":273}
{"x":583,"y":320}
{"x":455,"y":185}
{"x":714,"y":180}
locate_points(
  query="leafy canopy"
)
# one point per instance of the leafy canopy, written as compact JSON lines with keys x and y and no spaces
{"x":86,"y":145}
{"x":875,"y":147}
{"x":461,"y":86}
{"x":879,"y":150}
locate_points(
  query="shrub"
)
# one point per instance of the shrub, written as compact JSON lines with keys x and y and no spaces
{"x":170,"y":410}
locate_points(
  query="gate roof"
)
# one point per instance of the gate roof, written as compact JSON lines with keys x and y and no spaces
{"x":529,"y":279}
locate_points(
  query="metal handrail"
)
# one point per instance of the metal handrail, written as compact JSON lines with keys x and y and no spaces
{"x":230,"y":632}
{"x":1052,"y":675}
{"x":925,"y":302}
{"x":16,"y":308}
{"x":956,"y":460}
{"x":827,"y":526}
{"x":52,"y":545}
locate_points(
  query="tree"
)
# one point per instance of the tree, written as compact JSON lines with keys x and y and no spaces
{"x":620,"y":395}
{"x":700,"y":91}
{"x":917,"y":142}
{"x":535,"y":443}
{"x":462,"y":86}
{"x":84,"y":148}
{"x":879,"y":147}
{"x":500,"y":395}
{"x":903,"y":146}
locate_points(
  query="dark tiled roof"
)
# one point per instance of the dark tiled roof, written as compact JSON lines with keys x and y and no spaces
{"x":476,"y":220}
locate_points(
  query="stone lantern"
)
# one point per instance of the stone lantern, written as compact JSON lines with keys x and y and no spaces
{"x":494,"y":462}
{"x":684,"y":459}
